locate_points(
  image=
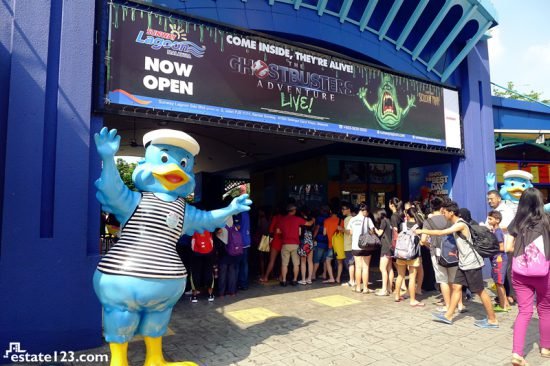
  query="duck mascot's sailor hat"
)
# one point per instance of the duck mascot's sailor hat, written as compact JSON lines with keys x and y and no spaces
{"x":172,"y":138}
{"x":518,"y":174}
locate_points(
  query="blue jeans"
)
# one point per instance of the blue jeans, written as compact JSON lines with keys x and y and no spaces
{"x":227,"y":275}
{"x":242,"y":281}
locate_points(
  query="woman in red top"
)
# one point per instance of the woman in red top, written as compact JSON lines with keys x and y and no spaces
{"x":275,"y":245}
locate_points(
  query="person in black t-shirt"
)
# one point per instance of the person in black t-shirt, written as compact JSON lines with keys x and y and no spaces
{"x":383,"y":228}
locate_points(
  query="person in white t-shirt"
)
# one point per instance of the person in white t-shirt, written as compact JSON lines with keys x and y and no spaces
{"x":358,"y":225}
{"x":494,"y":199}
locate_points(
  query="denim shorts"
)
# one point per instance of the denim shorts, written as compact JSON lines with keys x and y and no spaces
{"x":350,"y":259}
{"x":321,"y":254}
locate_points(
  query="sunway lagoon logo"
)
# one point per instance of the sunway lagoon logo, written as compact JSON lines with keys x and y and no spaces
{"x":175,"y":42}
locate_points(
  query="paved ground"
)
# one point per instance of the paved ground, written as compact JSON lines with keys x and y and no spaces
{"x":330,"y":325}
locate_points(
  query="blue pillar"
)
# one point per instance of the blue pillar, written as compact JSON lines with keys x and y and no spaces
{"x":49,"y":219}
{"x":469,"y":186}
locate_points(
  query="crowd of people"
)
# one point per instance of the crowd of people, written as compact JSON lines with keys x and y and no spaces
{"x":328,"y":245}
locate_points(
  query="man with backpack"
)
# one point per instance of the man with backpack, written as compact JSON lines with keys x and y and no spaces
{"x":442,"y":249}
{"x":469,"y":268}
{"x":202,"y":265}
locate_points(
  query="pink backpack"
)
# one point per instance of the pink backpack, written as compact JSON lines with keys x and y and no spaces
{"x":532,"y":263}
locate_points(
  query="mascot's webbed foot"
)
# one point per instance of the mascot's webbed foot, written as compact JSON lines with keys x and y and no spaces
{"x":119,"y":354}
{"x":154,"y":355}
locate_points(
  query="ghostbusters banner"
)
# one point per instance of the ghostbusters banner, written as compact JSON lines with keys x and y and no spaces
{"x":174,"y":63}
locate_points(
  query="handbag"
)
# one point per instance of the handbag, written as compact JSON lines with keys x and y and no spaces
{"x":264,"y":245}
{"x":532,"y":263}
{"x":338,"y":243}
{"x":367,"y":240}
{"x":306,"y":244}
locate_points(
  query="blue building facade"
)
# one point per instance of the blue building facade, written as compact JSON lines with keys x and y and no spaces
{"x":51,"y":62}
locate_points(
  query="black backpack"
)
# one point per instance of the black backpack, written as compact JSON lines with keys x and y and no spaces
{"x":484,"y":242}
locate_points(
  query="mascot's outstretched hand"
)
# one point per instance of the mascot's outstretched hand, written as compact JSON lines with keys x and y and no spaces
{"x":240,"y":204}
{"x":112,"y":193}
{"x":107,"y":143}
{"x":491,"y":181}
{"x":200,"y":221}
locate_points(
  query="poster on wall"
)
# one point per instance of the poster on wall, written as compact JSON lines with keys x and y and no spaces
{"x":436,"y":179}
{"x":352,"y":172}
{"x":381,"y":173}
{"x":173,"y":63}
{"x":311,"y":195}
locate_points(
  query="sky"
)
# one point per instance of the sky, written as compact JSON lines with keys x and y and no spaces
{"x":519,"y":50}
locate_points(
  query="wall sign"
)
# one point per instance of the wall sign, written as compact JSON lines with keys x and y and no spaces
{"x":173,"y":63}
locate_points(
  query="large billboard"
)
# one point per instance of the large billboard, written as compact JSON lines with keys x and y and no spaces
{"x":175,"y":63}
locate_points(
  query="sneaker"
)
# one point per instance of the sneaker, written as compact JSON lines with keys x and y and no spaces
{"x":484,"y":323}
{"x":211,"y":298}
{"x":194,"y":299}
{"x":499,"y":309}
{"x":283,"y":283}
{"x":438,"y":317}
{"x":302,"y":282}
{"x":294,"y":283}
{"x":190,"y":292}
{"x":517,"y":360}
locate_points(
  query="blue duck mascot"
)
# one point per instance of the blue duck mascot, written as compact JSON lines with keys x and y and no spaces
{"x":515,"y":182}
{"x":141,"y":278}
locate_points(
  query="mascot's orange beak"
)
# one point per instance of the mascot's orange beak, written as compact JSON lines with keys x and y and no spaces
{"x":516,"y":192}
{"x":170,"y":176}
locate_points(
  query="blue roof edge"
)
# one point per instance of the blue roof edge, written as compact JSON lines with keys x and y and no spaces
{"x":520,"y":104}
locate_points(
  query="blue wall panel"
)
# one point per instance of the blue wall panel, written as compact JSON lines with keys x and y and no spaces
{"x":469,"y":186}
{"x":46,"y":265}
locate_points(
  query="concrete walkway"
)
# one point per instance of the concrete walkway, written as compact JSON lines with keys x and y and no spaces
{"x":330,"y":325}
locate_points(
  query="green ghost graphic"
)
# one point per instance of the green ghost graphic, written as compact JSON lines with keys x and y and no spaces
{"x":387,"y":110}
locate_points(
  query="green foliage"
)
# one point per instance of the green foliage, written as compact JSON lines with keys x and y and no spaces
{"x":511,"y":93}
{"x":126,"y":169}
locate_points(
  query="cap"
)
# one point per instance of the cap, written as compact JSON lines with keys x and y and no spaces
{"x":173,"y":138}
{"x":290,"y":207}
{"x":518,"y":174}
